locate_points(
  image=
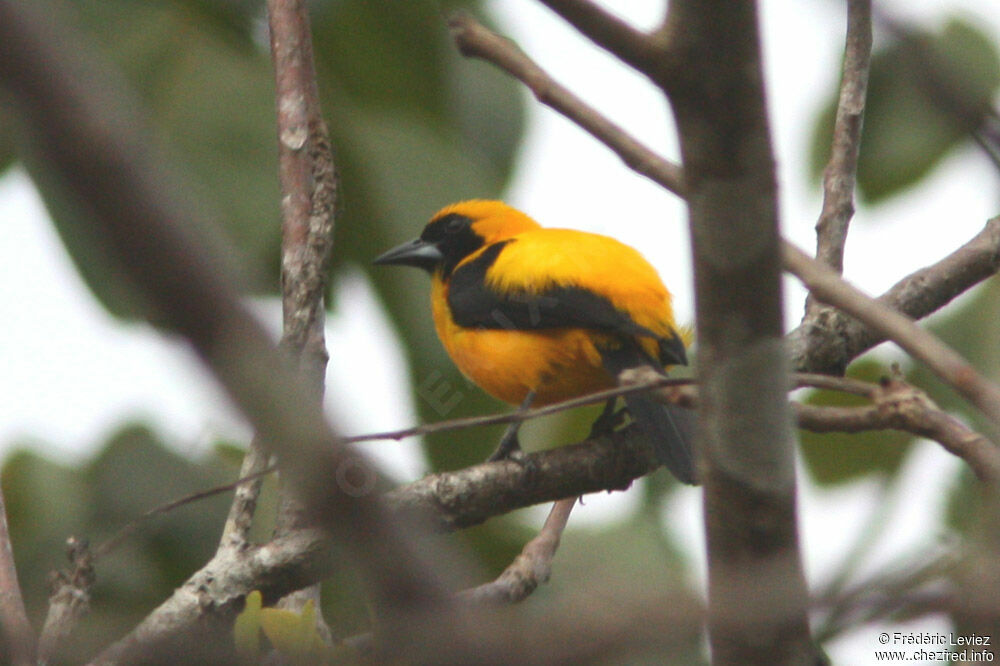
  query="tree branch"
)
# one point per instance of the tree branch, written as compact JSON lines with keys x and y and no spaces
{"x":308,"y":187}
{"x":922,"y":345}
{"x":476,"y":41}
{"x":14,"y":625}
{"x":531,"y":567}
{"x":840,"y":174}
{"x":631,"y":46}
{"x":830,"y":343}
{"x":307,"y":175}
{"x":757,"y":595}
{"x":900,"y":406}
{"x":69,"y":599}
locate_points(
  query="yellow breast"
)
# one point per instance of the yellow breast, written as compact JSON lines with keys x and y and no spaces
{"x":556,"y":363}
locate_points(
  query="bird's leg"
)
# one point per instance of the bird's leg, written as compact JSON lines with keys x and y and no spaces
{"x":609,"y":419}
{"x":509,"y":445}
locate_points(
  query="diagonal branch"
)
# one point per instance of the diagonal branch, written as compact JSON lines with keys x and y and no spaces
{"x":476,"y":41}
{"x":919,"y":343}
{"x":830,"y":344}
{"x":531,"y":567}
{"x":632,"y":46}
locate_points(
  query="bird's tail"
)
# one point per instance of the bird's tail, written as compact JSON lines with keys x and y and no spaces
{"x":670,"y":431}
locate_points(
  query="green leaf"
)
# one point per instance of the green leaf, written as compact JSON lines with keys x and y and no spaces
{"x":246,"y":629}
{"x":414,"y":125}
{"x":926,"y":92}
{"x":965,"y":502}
{"x":294,"y":634}
{"x":838,"y":458}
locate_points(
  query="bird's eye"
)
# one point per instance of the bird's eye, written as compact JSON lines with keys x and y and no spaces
{"x":455,"y":224}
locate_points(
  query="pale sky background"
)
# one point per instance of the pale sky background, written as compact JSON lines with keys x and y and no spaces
{"x":71,"y":373}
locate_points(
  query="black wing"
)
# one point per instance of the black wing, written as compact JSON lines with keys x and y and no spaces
{"x":474,"y":305}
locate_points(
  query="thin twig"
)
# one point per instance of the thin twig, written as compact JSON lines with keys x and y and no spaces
{"x":531,"y":567}
{"x":133,"y":525}
{"x":69,"y":599}
{"x":840,"y":175}
{"x":14,"y":625}
{"x":900,"y":406}
{"x":919,"y":343}
{"x":475,"y":40}
{"x":516,"y":416}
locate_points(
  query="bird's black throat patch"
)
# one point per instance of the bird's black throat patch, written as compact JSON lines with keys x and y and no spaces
{"x":454,"y":237}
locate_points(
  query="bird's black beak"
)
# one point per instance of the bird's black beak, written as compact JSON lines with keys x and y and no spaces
{"x":417,"y":253}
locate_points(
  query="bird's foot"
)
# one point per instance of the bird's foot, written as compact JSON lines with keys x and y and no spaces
{"x":609,"y":421}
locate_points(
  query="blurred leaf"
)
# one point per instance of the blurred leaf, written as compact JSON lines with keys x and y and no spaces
{"x":236,"y":17}
{"x":7,"y":148}
{"x":246,"y":629}
{"x":414,"y":125}
{"x":616,"y":568}
{"x":926,"y":93}
{"x":48,"y":502}
{"x":965,"y":502}
{"x":292,"y":634}
{"x":838,"y":458}
{"x":971,"y":326}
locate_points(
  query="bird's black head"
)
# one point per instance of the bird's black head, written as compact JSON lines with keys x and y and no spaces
{"x":456,"y":232}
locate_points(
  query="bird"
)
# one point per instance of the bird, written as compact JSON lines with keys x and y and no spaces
{"x":537,"y":315}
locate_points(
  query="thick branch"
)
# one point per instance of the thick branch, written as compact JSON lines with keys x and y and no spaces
{"x":758,"y":601}
{"x":209,"y":600}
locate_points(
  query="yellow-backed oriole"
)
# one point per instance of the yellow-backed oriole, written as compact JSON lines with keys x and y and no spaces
{"x":535,"y":316}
